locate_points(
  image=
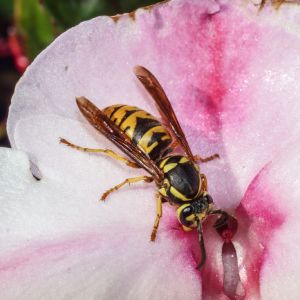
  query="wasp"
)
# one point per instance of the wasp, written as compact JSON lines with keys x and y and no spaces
{"x":150,"y":144}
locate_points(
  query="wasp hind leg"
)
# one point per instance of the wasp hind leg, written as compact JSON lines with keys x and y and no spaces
{"x":108,"y":152}
{"x":200,"y":159}
{"x":158,"y":216}
{"x":126,"y":181}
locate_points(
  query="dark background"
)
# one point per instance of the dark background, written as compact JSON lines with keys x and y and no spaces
{"x":28,"y":26}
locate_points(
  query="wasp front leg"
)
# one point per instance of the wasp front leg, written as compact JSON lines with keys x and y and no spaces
{"x":158,"y":216}
{"x":222,"y":220}
{"x":108,"y":152}
{"x":202,"y":245}
{"x":126,"y":181}
{"x":203,"y":183}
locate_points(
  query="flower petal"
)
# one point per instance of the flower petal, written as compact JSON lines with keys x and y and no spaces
{"x":51,"y":237}
{"x":269,"y":215}
{"x":210,"y":56}
{"x":264,"y":121}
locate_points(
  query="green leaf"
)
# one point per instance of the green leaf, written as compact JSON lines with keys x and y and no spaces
{"x":35,"y":26}
{"x":35,"y":19}
{"x":6,"y":9}
{"x":131,"y":5}
{"x":70,"y":12}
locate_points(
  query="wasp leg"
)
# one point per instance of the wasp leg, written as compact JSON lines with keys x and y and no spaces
{"x":126,"y":181}
{"x":202,"y":245}
{"x":158,"y":216}
{"x":174,"y":144}
{"x":200,"y":159}
{"x":108,"y":152}
{"x":204,"y":183}
{"x":222,"y":220}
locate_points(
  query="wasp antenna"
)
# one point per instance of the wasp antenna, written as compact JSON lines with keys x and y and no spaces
{"x":202,"y":245}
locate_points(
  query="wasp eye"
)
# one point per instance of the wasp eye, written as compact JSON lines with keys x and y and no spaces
{"x":208,"y":198}
{"x":186,"y":215}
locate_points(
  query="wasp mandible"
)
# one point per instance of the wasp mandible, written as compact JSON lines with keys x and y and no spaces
{"x":150,"y":144}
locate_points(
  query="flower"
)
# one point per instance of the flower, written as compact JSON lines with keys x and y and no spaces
{"x":233,"y":78}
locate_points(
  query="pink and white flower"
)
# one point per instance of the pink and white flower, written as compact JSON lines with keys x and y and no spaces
{"x":232,"y":75}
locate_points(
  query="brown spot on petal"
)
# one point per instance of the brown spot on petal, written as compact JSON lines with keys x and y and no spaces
{"x":277,"y":3}
{"x":116,"y":18}
{"x":132,"y":15}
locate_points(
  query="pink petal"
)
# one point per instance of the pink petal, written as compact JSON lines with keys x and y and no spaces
{"x":232,"y":77}
{"x":213,"y":65}
{"x":53,"y":237}
{"x":269,"y":214}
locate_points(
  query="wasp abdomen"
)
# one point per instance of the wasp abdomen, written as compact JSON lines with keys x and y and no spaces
{"x":182,"y":180}
{"x":142,"y":128}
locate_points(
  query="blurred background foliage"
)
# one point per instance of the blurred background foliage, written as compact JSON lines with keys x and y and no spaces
{"x":29,"y":26}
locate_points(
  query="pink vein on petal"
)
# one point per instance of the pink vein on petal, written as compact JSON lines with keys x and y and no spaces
{"x":34,"y":253}
{"x":259,"y":218}
{"x":201,"y":58}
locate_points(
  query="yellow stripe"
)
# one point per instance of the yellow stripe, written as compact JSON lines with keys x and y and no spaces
{"x":186,"y":229}
{"x":202,"y":216}
{"x":178,"y":212}
{"x":120,"y":113}
{"x":146,"y":138}
{"x":178,"y":195}
{"x":131,"y":122}
{"x":108,"y":110}
{"x":169,"y":167}
{"x":162,"y":164}
{"x":163,"y":191}
{"x":183,"y":160}
{"x":180,"y":209}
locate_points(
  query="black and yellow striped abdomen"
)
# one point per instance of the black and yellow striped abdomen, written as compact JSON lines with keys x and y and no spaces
{"x":142,"y":128}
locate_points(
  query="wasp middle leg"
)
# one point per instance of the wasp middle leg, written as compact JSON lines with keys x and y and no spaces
{"x":108,"y":152}
{"x":126,"y":181}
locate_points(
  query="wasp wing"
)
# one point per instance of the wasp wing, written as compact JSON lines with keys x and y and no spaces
{"x":109,"y":129}
{"x":165,"y":108}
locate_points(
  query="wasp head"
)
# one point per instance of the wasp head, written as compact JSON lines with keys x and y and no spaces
{"x":191,"y":213}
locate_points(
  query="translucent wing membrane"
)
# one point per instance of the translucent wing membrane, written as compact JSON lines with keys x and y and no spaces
{"x":165,"y":108}
{"x":108,"y":128}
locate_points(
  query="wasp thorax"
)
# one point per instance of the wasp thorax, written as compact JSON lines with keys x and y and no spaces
{"x":191,"y":213}
{"x":182,"y":181}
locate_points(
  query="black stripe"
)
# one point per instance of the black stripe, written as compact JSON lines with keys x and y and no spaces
{"x":142,"y":126}
{"x":127,"y":114}
{"x":158,"y":151}
{"x":174,"y":159}
{"x":115,"y":110}
{"x":156,"y":137}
